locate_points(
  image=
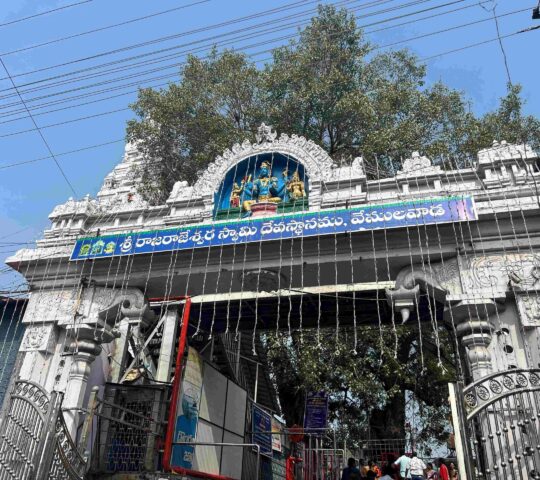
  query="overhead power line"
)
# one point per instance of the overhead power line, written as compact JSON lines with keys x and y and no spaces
{"x":449,"y":29}
{"x":181,"y":34}
{"x":244,"y":34}
{"x":65,"y":122}
{"x":107,"y":27}
{"x":90,"y":147}
{"x":199,"y":49}
{"x":39,"y":131}
{"x":252,"y":55}
{"x":530,"y":29}
{"x":70,"y":152}
{"x":472,"y":45}
{"x":11,"y":22}
{"x":100,"y":91}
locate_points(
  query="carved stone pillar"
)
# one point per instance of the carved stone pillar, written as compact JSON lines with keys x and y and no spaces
{"x":85,"y":346}
{"x":470,"y":317}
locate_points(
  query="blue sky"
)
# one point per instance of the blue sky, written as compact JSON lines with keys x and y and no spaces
{"x":29,"y":192}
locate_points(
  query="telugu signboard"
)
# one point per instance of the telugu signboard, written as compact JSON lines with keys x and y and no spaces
{"x":326,"y":222}
{"x":316,"y":412}
{"x":262,"y":426}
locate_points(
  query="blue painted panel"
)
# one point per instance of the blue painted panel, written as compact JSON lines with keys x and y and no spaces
{"x":306,"y":224}
{"x":247,"y":171}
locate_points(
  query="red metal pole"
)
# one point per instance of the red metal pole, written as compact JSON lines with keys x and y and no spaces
{"x":177,"y":382}
{"x":171,"y":424}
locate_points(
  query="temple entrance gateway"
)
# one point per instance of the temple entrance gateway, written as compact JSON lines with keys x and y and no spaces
{"x":161,"y":314}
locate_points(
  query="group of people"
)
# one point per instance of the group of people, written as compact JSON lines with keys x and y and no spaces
{"x":404,"y":468}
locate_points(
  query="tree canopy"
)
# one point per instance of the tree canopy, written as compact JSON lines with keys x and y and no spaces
{"x":331,"y":86}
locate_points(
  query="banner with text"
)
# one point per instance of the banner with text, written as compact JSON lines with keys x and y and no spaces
{"x":262,"y":428}
{"x":326,"y":222}
{"x":316,"y":412}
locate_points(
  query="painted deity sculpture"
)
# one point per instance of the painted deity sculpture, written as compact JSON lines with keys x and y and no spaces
{"x":236,"y":192}
{"x":295,"y":187}
{"x":264,"y":188}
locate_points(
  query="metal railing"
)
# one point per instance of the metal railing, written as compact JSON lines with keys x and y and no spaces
{"x":129,"y":421}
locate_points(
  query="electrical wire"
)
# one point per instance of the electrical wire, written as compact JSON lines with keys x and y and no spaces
{"x":170,"y":37}
{"x":82,"y":149}
{"x":175,"y":65}
{"x":101,"y":29}
{"x":39,"y":131}
{"x":383,"y":46}
{"x":61,"y":101}
{"x":11,"y":22}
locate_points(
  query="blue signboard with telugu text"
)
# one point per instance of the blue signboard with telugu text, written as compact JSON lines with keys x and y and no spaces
{"x":325,"y":222}
{"x":316,"y":412}
{"x":262,"y":428}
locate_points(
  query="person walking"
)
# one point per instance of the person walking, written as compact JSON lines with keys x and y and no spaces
{"x":351,"y":472}
{"x":431,"y":473}
{"x":417,"y":467}
{"x":403,"y":464}
{"x":443,"y":470}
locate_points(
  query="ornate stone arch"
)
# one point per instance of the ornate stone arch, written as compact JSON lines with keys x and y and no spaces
{"x":318,"y":164}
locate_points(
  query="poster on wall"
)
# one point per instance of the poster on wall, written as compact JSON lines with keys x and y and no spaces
{"x":188,"y":410}
{"x":262,"y":426}
{"x":276,"y":439}
{"x":316,"y":412}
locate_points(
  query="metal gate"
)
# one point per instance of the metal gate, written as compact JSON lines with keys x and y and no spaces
{"x":502,"y":416}
{"x":34,"y":441}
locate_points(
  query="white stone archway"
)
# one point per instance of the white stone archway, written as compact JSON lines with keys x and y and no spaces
{"x":318,"y":164}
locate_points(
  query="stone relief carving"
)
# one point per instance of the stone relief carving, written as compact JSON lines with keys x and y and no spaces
{"x":76,"y":207}
{"x":51,"y":306}
{"x":121,"y":202}
{"x":502,"y":151}
{"x":418,"y":164}
{"x":350,"y":172}
{"x":38,"y":338}
{"x":181,"y":191}
{"x":447,"y":275}
{"x":498,"y":272}
{"x":265,"y":134}
{"x":318,"y":164}
{"x":529,"y":309}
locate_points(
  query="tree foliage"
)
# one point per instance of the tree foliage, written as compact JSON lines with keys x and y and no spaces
{"x":368,"y":385}
{"x":329,"y":86}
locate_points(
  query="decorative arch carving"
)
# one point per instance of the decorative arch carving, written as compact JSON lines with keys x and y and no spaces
{"x":318,"y":164}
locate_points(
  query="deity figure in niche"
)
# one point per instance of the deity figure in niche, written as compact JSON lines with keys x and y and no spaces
{"x":295,"y":187}
{"x":236,"y":192}
{"x":264,"y":188}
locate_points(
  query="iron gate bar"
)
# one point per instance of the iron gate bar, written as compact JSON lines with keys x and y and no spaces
{"x":504,"y":395}
{"x":502,"y":414}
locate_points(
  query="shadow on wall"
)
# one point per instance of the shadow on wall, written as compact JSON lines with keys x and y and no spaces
{"x":11,"y":333}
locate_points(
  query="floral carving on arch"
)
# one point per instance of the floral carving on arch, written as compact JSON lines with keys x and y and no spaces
{"x":318,"y":164}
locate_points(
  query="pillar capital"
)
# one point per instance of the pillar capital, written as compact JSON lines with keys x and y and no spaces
{"x":470,"y":317}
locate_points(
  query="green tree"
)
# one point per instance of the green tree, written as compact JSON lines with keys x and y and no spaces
{"x":367,"y":386}
{"x":328,"y":86}
{"x":182,"y":128}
